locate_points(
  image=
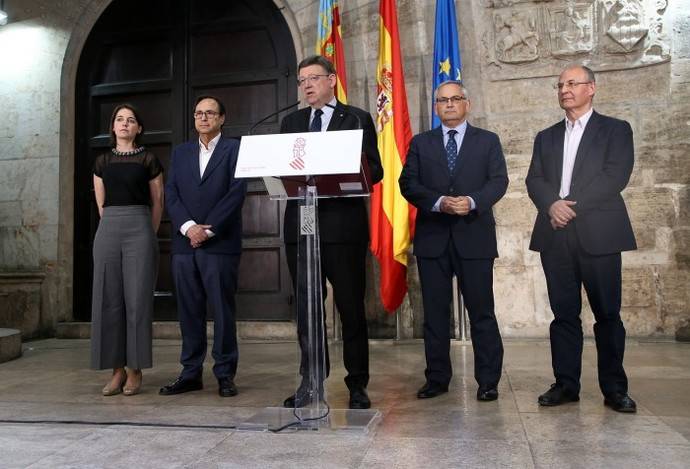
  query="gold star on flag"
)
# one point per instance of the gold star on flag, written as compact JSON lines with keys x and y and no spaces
{"x":444,"y":67}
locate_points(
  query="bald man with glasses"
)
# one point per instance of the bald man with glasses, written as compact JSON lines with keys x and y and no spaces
{"x":579,"y":167}
{"x":454,"y":174}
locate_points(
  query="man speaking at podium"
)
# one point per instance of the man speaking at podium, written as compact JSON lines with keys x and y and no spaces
{"x":343,"y":227}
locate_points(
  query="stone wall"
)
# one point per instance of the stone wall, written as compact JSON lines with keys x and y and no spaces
{"x":32,"y":48}
{"x":512,"y":51}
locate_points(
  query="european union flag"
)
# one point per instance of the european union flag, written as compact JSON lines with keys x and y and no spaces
{"x":447,"y":64}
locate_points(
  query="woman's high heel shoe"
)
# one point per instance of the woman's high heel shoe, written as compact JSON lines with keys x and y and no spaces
{"x":132,"y":390}
{"x":112,"y":391}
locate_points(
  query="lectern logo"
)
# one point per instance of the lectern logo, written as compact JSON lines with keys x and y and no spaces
{"x":298,"y":153}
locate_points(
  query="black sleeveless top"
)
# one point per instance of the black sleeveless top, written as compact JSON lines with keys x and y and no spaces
{"x":126,"y":176}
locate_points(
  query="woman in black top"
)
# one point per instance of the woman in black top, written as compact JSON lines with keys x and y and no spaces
{"x":128,"y":182}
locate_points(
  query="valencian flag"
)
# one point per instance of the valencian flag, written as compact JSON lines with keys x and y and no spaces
{"x":392,"y":218}
{"x":329,"y":43}
{"x":447,"y":64}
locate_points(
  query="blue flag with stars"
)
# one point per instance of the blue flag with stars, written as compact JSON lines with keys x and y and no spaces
{"x":447,"y":64}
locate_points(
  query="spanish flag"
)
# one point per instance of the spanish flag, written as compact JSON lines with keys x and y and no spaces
{"x":329,"y":43}
{"x":392,"y":218}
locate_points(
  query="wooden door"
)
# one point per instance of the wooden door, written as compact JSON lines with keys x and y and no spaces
{"x":160,"y":55}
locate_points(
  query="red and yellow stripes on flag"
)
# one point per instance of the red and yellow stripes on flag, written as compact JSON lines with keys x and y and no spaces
{"x":392,"y":218}
{"x":329,"y":43}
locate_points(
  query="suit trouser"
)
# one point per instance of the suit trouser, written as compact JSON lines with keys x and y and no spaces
{"x":567,"y":268}
{"x":344,"y":265}
{"x":475,"y":277}
{"x":202,"y":278}
{"x":125,"y":258}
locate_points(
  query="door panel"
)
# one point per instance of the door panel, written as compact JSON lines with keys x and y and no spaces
{"x":207,"y":60}
{"x":140,"y":60}
{"x":260,"y":217}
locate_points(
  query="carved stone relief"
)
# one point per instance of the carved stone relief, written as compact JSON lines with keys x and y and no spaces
{"x":531,"y":38}
{"x":570,"y":30}
{"x":624,"y":23}
{"x":516,"y":37}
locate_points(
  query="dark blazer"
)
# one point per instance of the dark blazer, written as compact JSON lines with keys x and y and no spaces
{"x":215,"y":199}
{"x":602,"y":169}
{"x":479,"y":173}
{"x":341,"y":220}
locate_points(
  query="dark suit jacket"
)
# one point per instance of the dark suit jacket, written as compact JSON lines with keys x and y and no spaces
{"x":215,"y":199}
{"x":602,"y":169}
{"x":341,"y":220}
{"x":479,"y":173}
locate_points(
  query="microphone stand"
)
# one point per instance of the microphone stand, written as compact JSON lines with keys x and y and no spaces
{"x":264,"y":119}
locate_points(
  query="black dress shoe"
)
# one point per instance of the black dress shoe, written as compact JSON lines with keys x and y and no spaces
{"x":621,"y":403}
{"x":226,"y":387}
{"x":359,"y":399}
{"x":181,"y":385}
{"x":301,"y":398}
{"x":487,"y":394}
{"x":289,"y":402}
{"x":557,"y":395}
{"x":431,"y":389}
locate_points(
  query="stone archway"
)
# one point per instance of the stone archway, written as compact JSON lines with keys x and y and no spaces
{"x":63,"y":309}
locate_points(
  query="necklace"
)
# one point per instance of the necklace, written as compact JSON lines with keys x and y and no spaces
{"x":127,"y":153}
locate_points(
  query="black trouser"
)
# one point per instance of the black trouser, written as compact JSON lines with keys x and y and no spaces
{"x":344,"y":265}
{"x":200,"y":279}
{"x":475,"y":277}
{"x":567,"y":268}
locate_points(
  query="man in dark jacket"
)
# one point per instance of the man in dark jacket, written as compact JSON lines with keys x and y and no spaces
{"x":204,"y":201}
{"x":579,"y":167}
{"x":454,"y":175}
{"x":343,"y":228}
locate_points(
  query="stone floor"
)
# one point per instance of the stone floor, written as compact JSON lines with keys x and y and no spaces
{"x":52,"y":382}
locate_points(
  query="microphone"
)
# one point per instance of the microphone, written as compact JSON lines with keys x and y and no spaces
{"x":346,"y":111}
{"x":251,"y":129}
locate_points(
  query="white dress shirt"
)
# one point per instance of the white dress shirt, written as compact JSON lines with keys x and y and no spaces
{"x":205,"y":154}
{"x":326,"y":116}
{"x":571,"y":142}
{"x":459,"y":137}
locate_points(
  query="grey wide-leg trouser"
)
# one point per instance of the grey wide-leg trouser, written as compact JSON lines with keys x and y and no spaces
{"x":125,"y":258}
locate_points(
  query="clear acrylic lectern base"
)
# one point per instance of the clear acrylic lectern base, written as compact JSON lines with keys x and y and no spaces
{"x":338,"y":420}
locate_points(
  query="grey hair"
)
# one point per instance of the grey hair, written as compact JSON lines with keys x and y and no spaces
{"x":587,"y":70}
{"x":452,"y":82}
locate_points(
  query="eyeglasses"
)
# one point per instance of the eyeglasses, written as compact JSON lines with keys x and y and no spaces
{"x":311,"y":79}
{"x":452,"y":99}
{"x":569,"y":85}
{"x":206,"y":114}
